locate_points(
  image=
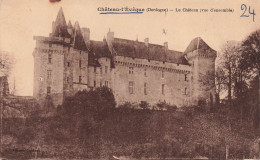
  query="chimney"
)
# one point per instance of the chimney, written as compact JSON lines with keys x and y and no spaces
{"x":146,"y":41}
{"x":86,"y":34}
{"x":110,"y":37}
{"x":166,"y":46}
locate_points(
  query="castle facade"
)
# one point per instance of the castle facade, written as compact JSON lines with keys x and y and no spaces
{"x":68,"y":61}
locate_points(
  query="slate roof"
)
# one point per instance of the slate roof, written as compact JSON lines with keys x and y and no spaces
{"x":78,"y":39}
{"x":135,"y":49}
{"x":98,"y":49}
{"x":197,"y":43}
{"x":60,"y":26}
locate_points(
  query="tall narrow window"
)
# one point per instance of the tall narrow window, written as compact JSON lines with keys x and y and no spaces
{"x":100,"y":70}
{"x":49,"y":58}
{"x":80,"y":79}
{"x":106,"y":83}
{"x":95,"y":69}
{"x":68,"y":64}
{"x":48,"y":74}
{"x":48,"y":91}
{"x":100,"y":84}
{"x":162,"y":74}
{"x":145,"y":88}
{"x":106,"y":68}
{"x":131,"y":87}
{"x":163,"y":88}
{"x":94,"y":83}
{"x":185,"y":77}
{"x":145,"y":74}
{"x":185,"y":91}
{"x":131,"y":70}
{"x":79,"y":63}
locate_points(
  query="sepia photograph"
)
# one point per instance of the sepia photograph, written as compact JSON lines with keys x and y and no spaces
{"x":130,"y":79}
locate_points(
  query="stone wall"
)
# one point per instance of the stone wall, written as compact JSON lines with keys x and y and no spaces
{"x":154,"y":74}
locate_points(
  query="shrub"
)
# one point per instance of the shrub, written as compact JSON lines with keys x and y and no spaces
{"x":163,"y":105}
{"x":144,"y":105}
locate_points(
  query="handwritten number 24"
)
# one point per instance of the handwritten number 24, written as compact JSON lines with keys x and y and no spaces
{"x":244,"y":8}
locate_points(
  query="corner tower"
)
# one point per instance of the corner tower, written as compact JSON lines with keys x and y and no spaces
{"x":49,"y":63}
{"x":202,"y":59}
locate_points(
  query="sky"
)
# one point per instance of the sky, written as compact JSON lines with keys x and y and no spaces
{"x":21,"y":20}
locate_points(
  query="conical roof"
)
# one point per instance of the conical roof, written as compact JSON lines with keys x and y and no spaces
{"x":197,"y":43}
{"x":69,"y":25}
{"x":79,"y":42}
{"x":60,"y":29}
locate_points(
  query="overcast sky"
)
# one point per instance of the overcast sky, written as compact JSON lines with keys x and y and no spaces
{"x":20,"y":20}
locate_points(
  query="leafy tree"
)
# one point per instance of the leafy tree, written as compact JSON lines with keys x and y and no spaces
{"x":251,"y":57}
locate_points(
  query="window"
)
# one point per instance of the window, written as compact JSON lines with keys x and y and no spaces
{"x":94,"y":83}
{"x":95,"y":69}
{"x":48,"y":74}
{"x":106,"y":69}
{"x":68,"y":79}
{"x":100,"y":70}
{"x":49,"y":58}
{"x":185,"y":77}
{"x":68,"y":64}
{"x":163,"y":88}
{"x":48,"y":91}
{"x":106,"y":83}
{"x":80,"y":79}
{"x":131,"y":70}
{"x":145,"y":88}
{"x":131,"y":87}
{"x":185,"y":91}
{"x":79,"y":63}
{"x":145,"y":74}
{"x":162,"y":74}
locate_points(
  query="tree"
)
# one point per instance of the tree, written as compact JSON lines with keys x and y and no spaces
{"x":6,"y":63}
{"x":228,"y":62}
{"x":251,"y":57}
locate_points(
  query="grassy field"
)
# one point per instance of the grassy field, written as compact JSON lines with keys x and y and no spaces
{"x":133,"y":133}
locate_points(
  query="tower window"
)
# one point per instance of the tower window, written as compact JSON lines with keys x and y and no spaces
{"x":131,"y":70}
{"x":145,"y":88}
{"x":131,"y":87}
{"x":94,"y":83}
{"x":68,"y":64}
{"x":48,"y":74}
{"x":48,"y":91}
{"x":163,"y":88}
{"x":185,"y":77}
{"x":79,"y":63}
{"x":162,"y":74}
{"x":106,"y":68}
{"x":95,"y":69}
{"x":49,"y":58}
{"x":80,"y":79}
{"x":106,"y":83}
{"x":185,"y":91}
{"x":145,"y":74}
